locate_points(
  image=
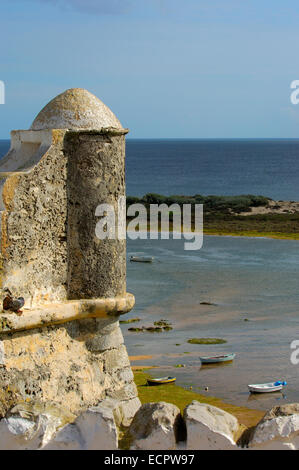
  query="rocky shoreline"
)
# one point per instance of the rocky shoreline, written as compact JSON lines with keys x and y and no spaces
{"x":152,"y":426}
{"x":275,"y":207}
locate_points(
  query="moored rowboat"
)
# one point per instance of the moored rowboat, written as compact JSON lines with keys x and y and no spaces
{"x":217,"y":359}
{"x":142,"y":259}
{"x":161,"y":380}
{"x":267,"y":387}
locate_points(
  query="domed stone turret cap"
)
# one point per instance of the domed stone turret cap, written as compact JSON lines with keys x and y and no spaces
{"x":76,"y":108}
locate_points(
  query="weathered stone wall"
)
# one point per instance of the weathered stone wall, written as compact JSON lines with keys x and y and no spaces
{"x":33,"y":229}
{"x":77,"y":364}
{"x":96,"y":167}
{"x":49,"y":249}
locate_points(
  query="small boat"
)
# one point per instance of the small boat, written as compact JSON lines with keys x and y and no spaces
{"x":142,"y":259}
{"x":161,"y":381}
{"x":267,"y":388}
{"x":217,"y":359}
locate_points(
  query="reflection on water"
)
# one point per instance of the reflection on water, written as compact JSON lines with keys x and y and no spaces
{"x":216,"y":365}
{"x":259,"y":398}
{"x":254,"y":284}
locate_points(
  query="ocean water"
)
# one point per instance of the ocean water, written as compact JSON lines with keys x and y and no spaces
{"x":4,"y":147}
{"x":221,"y":167}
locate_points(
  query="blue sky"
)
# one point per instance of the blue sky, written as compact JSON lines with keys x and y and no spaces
{"x":167,"y":68}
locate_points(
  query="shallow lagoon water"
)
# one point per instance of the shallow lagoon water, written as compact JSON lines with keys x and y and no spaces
{"x":253,"y":281}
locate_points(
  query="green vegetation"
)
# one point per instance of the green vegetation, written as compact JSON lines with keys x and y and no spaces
{"x":206,"y":341}
{"x":154,"y":329}
{"x":259,"y":225}
{"x":211,"y":203}
{"x":165,"y":324}
{"x":223,"y":215}
{"x":132,"y":320}
{"x":181,"y":398}
{"x":159,"y":326}
{"x":162,"y":323}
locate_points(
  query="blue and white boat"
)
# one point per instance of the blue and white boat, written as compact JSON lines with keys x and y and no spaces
{"x":267,"y":387}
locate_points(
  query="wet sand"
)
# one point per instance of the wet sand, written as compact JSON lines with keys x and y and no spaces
{"x":139,"y":358}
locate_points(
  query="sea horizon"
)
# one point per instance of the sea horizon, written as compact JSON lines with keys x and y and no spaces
{"x":196,"y":138}
{"x":223,"y":167}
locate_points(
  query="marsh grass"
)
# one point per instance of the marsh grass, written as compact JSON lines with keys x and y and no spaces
{"x":223,"y":215}
{"x":131,"y":320}
{"x":206,"y":341}
{"x":181,"y":398}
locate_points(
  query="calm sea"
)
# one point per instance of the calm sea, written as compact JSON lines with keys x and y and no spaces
{"x":221,"y":167}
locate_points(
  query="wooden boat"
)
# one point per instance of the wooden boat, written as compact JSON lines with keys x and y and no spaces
{"x":142,"y":259}
{"x":161,"y":381}
{"x":217,"y":359}
{"x":267,"y":387}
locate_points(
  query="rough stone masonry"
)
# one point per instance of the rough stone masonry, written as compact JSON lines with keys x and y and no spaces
{"x":67,"y":346}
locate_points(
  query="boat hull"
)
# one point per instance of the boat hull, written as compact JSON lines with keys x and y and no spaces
{"x":217,"y":359}
{"x":264,"y":388}
{"x":161,"y":381}
{"x":134,"y":259}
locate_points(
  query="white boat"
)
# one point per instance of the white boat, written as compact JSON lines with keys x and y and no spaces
{"x":267,"y":388}
{"x":142,"y":259}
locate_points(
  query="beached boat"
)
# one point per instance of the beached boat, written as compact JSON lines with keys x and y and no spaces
{"x":161,"y":381}
{"x":267,"y":387}
{"x":217,"y":359}
{"x":142,"y":259}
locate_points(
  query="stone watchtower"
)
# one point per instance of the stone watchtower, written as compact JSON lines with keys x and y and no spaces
{"x":66,"y":346}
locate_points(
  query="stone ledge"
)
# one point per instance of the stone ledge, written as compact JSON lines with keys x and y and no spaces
{"x":102,"y":131}
{"x":53,"y":314}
